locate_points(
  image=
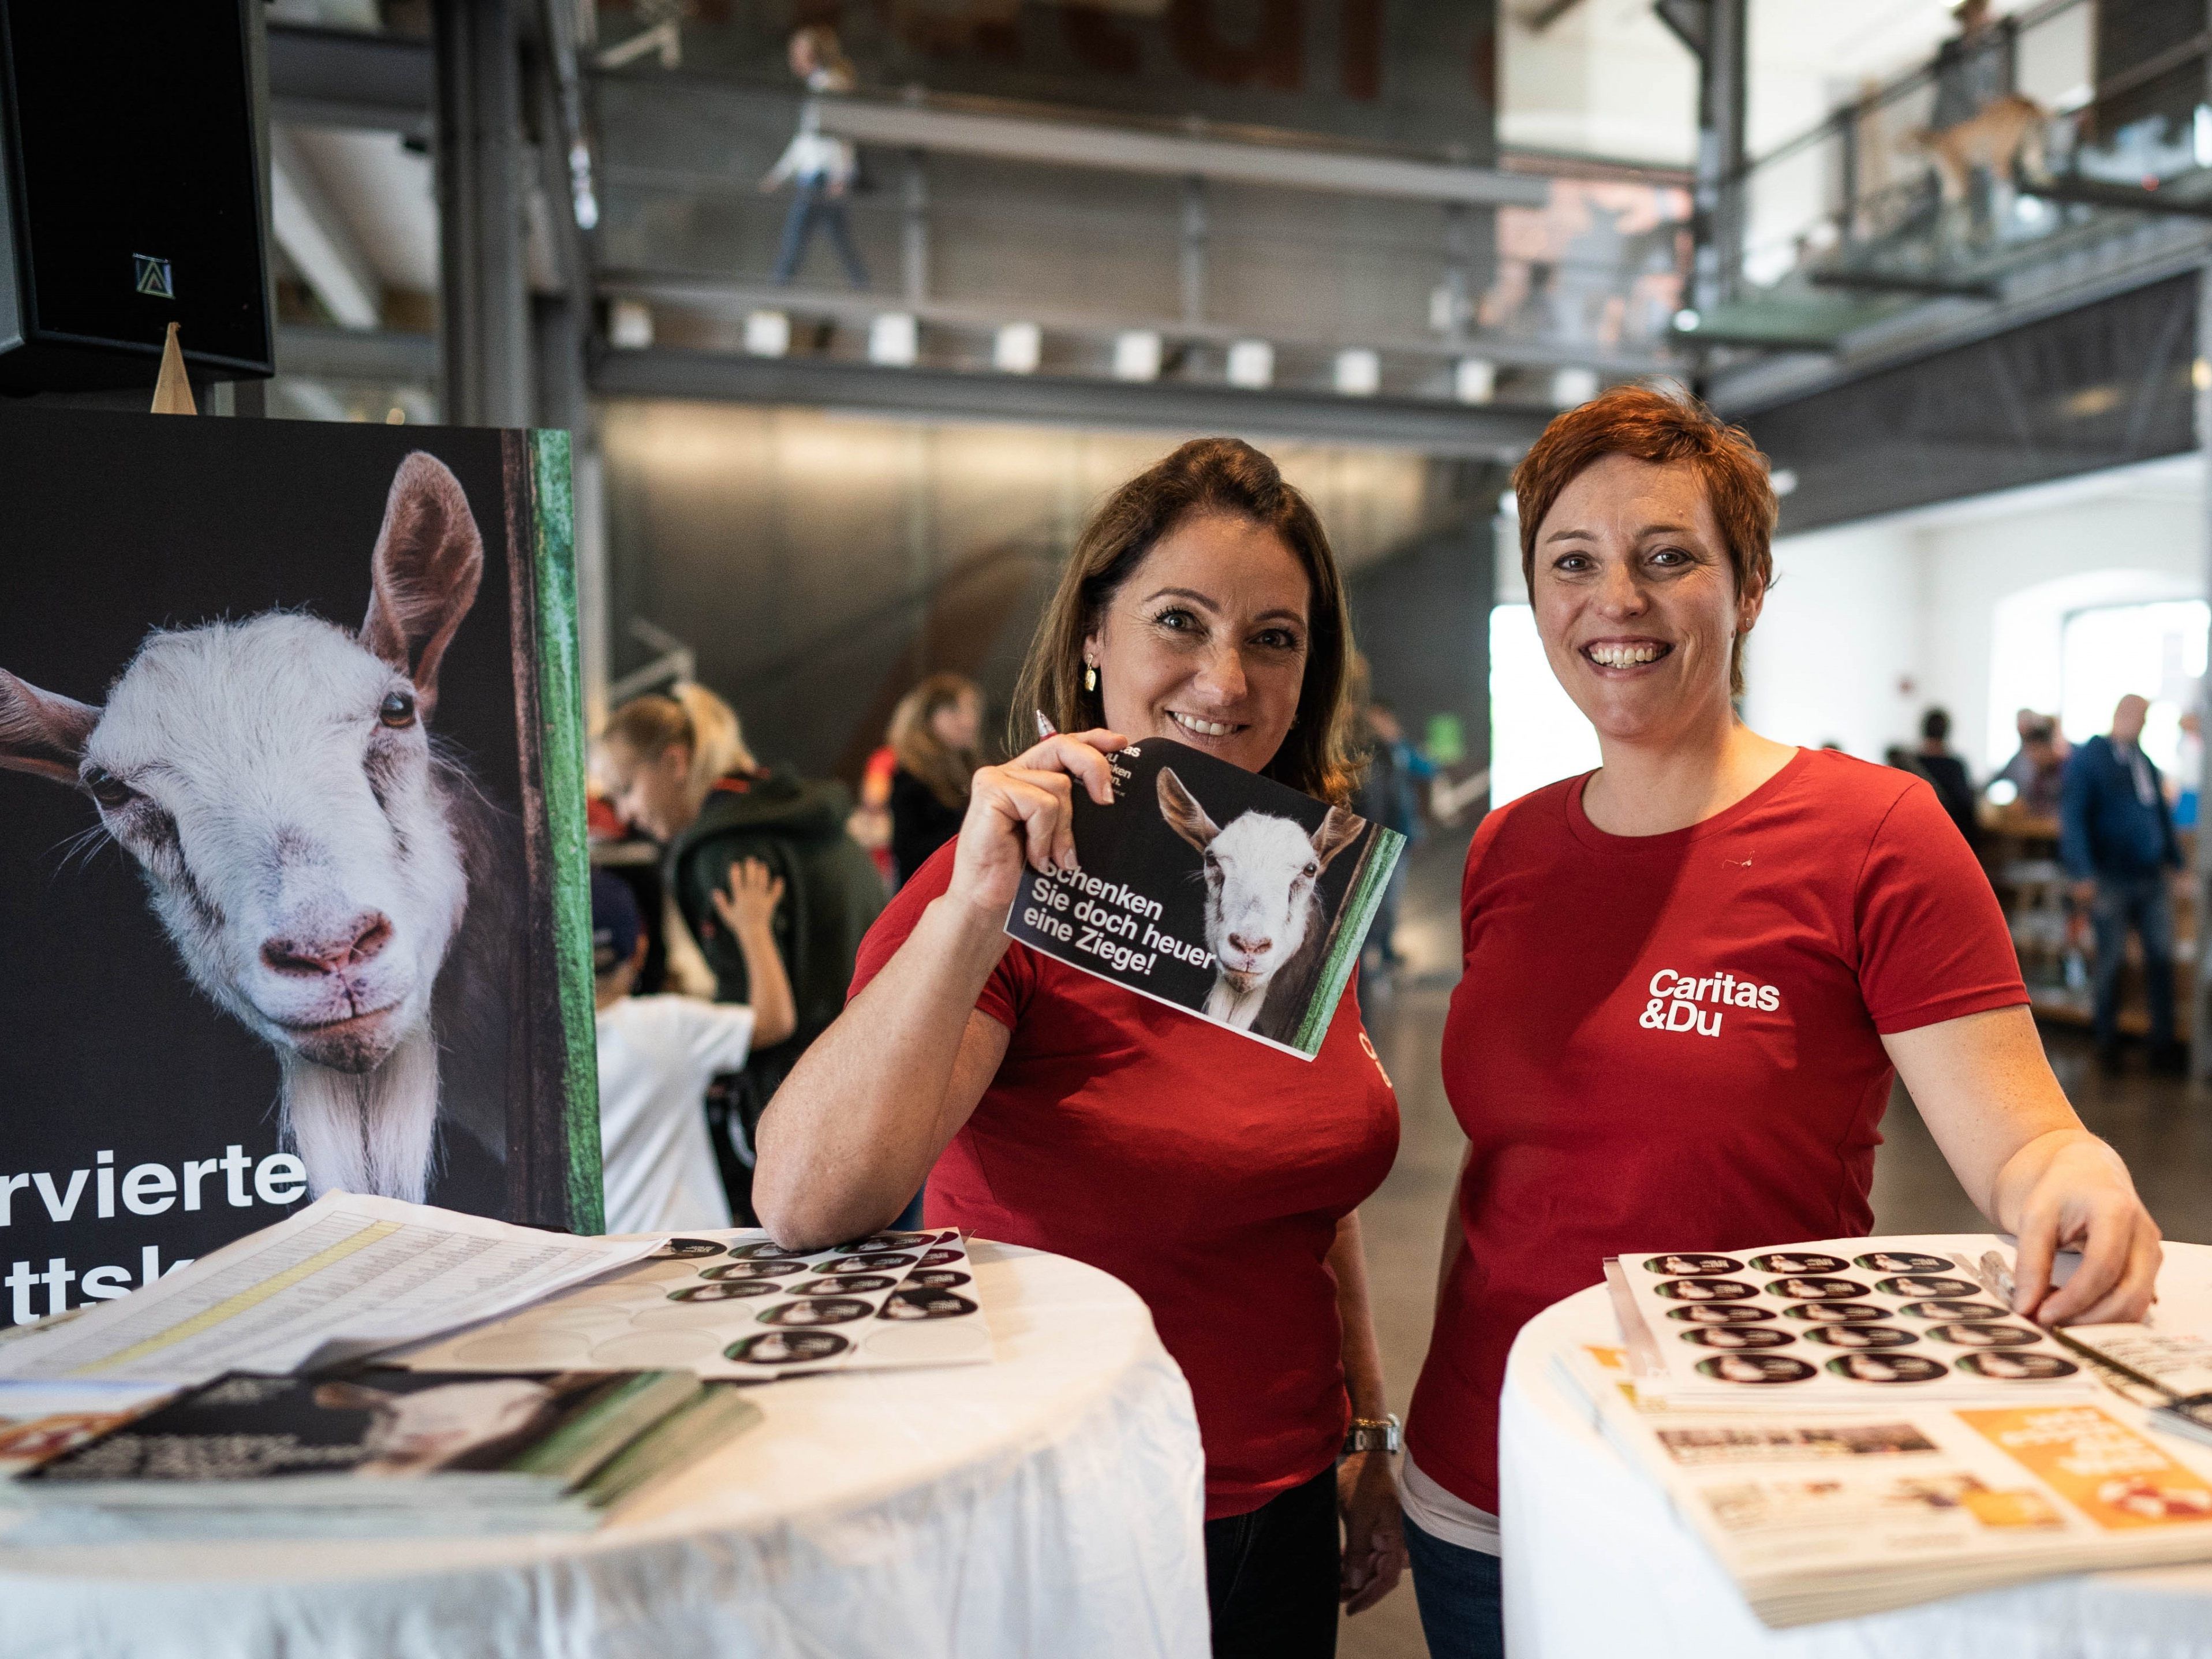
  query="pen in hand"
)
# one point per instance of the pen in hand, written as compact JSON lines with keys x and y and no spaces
{"x":1045,"y":727}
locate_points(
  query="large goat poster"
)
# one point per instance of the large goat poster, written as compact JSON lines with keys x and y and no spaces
{"x":1213,"y":889}
{"x":292,"y":860}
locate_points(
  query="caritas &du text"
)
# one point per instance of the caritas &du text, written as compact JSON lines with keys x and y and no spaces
{"x":1675,"y":999}
{"x":237,"y":1180}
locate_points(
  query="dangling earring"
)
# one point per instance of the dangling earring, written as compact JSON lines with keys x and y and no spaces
{"x":1091,"y":676}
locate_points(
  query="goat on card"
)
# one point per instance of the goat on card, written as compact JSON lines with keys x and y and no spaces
{"x":1263,"y":919}
{"x":308,"y":853}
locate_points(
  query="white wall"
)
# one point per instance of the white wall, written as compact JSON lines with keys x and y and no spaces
{"x":1839,"y":635}
{"x":1870,"y":623}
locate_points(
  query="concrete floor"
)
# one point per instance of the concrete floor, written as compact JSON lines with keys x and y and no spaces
{"x":2162,"y":1127}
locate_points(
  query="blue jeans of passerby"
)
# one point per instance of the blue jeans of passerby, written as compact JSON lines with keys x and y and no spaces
{"x":811,"y":205}
{"x":1460,"y":1594}
{"x":2143,"y":903}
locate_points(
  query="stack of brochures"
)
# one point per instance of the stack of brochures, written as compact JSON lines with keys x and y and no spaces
{"x":1940,"y":1446}
{"x":381,"y":1453}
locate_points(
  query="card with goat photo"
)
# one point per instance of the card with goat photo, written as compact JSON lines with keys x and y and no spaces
{"x":292,"y":860}
{"x":1216,"y":890}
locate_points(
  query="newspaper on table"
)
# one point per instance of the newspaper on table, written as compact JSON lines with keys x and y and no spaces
{"x":1838,"y":1321}
{"x":1195,"y":855}
{"x":1818,"y":1513}
{"x":734,"y":1304}
{"x":1842,"y":1491}
{"x":345,"y":1277}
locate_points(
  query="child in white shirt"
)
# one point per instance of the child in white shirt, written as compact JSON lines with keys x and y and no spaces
{"x":657,"y":1053}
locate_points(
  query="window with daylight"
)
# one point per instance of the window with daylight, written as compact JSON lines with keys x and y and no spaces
{"x":2156,"y":650}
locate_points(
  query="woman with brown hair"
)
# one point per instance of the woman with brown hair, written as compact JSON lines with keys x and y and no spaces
{"x":1692,"y":975}
{"x":933,"y":732}
{"x":1218,"y":1178}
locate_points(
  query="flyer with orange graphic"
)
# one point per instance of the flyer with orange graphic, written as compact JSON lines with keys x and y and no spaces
{"x":2117,"y":1478}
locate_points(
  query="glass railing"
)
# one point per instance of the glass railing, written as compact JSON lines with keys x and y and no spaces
{"x":2027,"y":146}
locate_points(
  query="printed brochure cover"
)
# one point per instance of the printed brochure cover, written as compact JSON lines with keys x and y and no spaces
{"x":1213,"y":889}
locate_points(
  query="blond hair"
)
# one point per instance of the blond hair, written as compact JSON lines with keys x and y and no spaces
{"x":648,"y":726}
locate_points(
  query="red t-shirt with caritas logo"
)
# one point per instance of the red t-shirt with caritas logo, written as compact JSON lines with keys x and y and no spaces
{"x":1674,"y":1043}
{"x":1204,"y":1170}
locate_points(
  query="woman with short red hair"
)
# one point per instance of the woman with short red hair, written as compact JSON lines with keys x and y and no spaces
{"x":1690,"y":975}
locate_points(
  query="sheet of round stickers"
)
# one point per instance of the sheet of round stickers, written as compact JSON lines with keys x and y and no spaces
{"x":1854,"y":1317}
{"x":736,"y":1305}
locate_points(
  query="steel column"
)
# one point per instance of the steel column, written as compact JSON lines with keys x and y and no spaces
{"x":483,"y":316}
{"x":1721,"y":104}
{"x":2200,"y":982}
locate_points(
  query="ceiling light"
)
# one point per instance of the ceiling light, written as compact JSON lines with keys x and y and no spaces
{"x":1474,"y":380}
{"x":1358,"y":373}
{"x":1017,"y":347}
{"x":1252,"y":364}
{"x":894,"y":339}
{"x":768,"y":333}
{"x":1137,"y":355}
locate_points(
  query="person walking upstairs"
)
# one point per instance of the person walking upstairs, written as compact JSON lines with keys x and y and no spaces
{"x":2116,"y":841}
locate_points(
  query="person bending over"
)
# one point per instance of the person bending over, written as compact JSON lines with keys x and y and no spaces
{"x":1216,"y":1177}
{"x":1690,"y":975}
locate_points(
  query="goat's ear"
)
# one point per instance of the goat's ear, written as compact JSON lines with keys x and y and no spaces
{"x":1183,"y":813}
{"x":40,"y":731}
{"x":1338,"y":831}
{"x":424,"y":573}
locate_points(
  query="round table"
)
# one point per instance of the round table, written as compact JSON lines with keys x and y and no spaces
{"x":1596,"y":1564}
{"x":1050,"y":1504}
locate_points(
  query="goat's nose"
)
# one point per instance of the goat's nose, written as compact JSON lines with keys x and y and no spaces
{"x":1250,"y":947}
{"x":346,"y":945}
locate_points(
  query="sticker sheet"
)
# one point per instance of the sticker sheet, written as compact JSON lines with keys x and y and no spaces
{"x":735,"y":1305}
{"x":1840,"y":1319}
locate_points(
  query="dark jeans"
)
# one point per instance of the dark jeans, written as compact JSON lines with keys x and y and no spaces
{"x":814,"y":206}
{"x":1462,"y":1598}
{"x":1270,"y":1576}
{"x":2144,"y":903}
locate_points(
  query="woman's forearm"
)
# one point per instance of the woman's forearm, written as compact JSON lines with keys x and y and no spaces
{"x":854,"y":1128}
{"x":1363,"y":1358}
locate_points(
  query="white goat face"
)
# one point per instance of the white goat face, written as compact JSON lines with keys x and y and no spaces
{"x":1260,"y":872}
{"x":274,"y":781}
{"x":273,"y":778}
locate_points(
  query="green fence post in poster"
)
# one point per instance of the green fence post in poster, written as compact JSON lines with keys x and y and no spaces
{"x":560,"y":704}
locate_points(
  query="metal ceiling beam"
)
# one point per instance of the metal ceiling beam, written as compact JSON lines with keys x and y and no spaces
{"x":1487,"y":432}
{"x":333,"y":78}
{"x":344,"y":354}
{"x":1125,"y":149}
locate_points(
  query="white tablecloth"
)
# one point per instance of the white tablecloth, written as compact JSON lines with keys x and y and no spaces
{"x":1049,"y":1504}
{"x":1596,"y":1564}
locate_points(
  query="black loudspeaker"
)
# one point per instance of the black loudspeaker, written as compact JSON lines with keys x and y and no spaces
{"x":132,"y":194}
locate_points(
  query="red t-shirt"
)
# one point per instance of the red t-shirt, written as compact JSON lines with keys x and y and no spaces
{"x":1204,"y":1170}
{"x":1674,"y":1043}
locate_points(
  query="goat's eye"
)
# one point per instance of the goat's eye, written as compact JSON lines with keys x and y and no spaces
{"x":108,"y":790}
{"x":398,"y":709}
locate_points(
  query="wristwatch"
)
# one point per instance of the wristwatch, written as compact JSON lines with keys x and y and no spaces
{"x":1374,"y":1434}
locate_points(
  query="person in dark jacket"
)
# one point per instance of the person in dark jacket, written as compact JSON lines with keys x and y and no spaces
{"x":2117,"y":840}
{"x":933,"y":733}
{"x":678,"y":768}
{"x":1947,"y":773}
